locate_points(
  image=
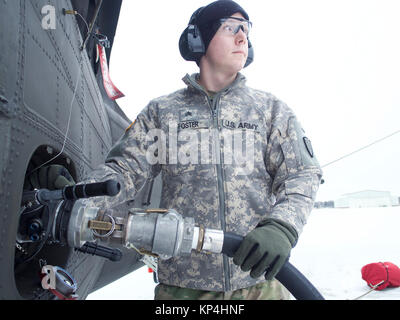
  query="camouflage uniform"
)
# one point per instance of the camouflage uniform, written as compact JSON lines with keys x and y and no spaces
{"x":268,"y":290}
{"x":207,"y":181}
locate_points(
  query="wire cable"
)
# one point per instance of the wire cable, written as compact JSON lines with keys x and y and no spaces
{"x":87,"y":26}
{"x":360,"y":149}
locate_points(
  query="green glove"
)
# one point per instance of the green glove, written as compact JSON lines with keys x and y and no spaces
{"x":266,"y":248}
{"x":51,"y":177}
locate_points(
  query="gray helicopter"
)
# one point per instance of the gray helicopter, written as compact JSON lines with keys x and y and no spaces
{"x":54,"y":109}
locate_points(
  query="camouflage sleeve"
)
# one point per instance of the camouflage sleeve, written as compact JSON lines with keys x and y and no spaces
{"x":296,"y":173}
{"x":127,"y":161}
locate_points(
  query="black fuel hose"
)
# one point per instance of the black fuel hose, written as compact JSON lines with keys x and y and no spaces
{"x":289,"y":276}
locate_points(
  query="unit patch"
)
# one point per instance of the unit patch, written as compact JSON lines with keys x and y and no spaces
{"x":308,"y":145}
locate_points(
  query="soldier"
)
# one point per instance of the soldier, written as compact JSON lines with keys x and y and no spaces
{"x":265,"y":196}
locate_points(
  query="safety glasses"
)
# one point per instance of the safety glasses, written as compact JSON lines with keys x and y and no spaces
{"x":232,"y":25}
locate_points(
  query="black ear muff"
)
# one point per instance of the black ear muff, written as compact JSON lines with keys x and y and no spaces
{"x":191,"y":44}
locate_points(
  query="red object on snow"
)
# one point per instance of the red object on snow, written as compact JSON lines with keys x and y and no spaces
{"x":388,"y":272}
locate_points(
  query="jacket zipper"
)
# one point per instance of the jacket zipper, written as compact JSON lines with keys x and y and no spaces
{"x":215,"y":108}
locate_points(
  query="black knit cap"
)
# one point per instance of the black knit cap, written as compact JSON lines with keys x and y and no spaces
{"x":206,"y":17}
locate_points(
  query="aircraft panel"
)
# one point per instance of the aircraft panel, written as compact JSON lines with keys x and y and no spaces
{"x":39,"y":70}
{"x":39,"y":86}
{"x":8,"y":58}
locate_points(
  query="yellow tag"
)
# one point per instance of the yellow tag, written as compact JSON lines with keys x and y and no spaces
{"x":126,"y":130}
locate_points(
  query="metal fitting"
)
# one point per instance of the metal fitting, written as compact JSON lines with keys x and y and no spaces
{"x":78,"y":230}
{"x":164,"y":233}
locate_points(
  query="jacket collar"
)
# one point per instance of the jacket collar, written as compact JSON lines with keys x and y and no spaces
{"x":191,"y":82}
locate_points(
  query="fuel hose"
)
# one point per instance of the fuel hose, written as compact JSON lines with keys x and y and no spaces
{"x":291,"y":278}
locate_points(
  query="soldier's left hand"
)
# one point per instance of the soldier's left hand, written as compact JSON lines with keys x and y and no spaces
{"x":265,"y":249}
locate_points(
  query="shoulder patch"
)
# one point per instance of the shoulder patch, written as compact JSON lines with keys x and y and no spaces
{"x":308,"y":145}
{"x":301,"y":145}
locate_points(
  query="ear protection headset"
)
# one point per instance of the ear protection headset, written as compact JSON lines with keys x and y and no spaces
{"x":191,"y":45}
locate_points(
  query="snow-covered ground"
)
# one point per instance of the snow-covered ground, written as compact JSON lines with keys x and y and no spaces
{"x":334,"y":246}
{"x":337,"y":243}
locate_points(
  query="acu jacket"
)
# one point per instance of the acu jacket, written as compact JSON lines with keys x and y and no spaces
{"x":229,"y":161}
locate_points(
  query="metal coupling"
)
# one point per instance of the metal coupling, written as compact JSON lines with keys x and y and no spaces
{"x":78,"y":230}
{"x":162,"y":232}
{"x":210,"y":240}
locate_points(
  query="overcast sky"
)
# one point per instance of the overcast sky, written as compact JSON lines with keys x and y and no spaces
{"x":335,"y":63}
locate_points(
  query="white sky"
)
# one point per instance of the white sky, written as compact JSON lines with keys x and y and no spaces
{"x":335,"y":63}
